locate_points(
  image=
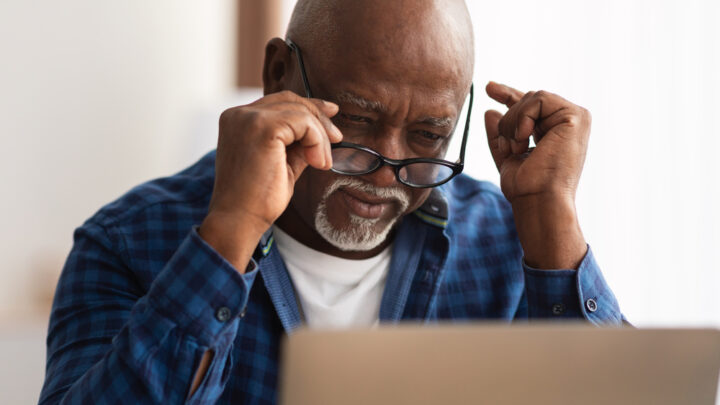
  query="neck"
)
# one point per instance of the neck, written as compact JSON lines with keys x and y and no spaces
{"x":293,"y":224}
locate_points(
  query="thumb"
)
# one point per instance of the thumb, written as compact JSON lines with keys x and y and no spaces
{"x":499,"y":146}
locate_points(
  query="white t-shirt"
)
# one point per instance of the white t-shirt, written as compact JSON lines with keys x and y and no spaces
{"x":334,"y":292}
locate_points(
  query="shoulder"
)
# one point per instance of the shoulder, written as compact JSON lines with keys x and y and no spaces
{"x":470,"y":197}
{"x":479,"y":213}
{"x":188,"y":190}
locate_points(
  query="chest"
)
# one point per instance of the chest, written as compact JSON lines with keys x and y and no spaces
{"x":437,"y":293}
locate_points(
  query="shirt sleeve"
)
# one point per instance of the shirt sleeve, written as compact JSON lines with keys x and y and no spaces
{"x":581,"y":293}
{"x":111,"y":342}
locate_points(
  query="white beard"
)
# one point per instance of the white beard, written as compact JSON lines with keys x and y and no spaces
{"x":360,"y":234}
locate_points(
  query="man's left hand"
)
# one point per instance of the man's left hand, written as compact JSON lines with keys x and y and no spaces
{"x":540,"y":183}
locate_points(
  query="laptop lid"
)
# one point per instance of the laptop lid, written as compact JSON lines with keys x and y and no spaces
{"x":493,"y":364}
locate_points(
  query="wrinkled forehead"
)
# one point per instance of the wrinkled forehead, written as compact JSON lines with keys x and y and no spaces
{"x":420,"y":43}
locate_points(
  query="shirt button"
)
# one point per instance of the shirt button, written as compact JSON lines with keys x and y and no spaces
{"x":558,"y":309}
{"x":223,"y":314}
{"x":591,"y":305}
{"x":242,"y":314}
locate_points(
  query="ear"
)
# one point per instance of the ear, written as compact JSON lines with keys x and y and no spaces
{"x":276,"y":66}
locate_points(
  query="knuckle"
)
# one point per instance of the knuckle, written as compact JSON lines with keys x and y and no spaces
{"x":586,"y":114}
{"x":226,"y":116}
{"x":580,"y":116}
{"x":542,"y":94}
{"x":311,"y":106}
{"x":289,"y":95}
{"x":283,"y":96}
{"x":255,"y":120}
{"x":573,"y":120}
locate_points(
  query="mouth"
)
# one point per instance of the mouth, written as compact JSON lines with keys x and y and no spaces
{"x":364,"y":205}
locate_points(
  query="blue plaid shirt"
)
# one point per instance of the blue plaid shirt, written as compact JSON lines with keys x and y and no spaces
{"x":142,"y":296}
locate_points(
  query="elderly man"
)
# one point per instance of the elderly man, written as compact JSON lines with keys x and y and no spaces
{"x":329,"y":203}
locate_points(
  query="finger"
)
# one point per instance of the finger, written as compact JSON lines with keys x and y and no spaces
{"x":321,"y":109}
{"x":510,"y":124}
{"x":525,"y":128}
{"x":539,"y":113}
{"x":311,"y":107}
{"x":296,"y":160}
{"x":316,"y":146}
{"x":503,"y":94}
{"x":307,"y":131}
{"x":328,"y":109}
{"x":507,"y":127}
{"x":278,"y":97}
{"x":499,"y":147}
{"x":519,"y":147}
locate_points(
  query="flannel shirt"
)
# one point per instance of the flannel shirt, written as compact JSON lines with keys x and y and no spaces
{"x":142,"y":296}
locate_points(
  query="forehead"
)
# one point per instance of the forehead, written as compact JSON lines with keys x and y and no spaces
{"x":418,"y":68}
{"x":385,"y":85}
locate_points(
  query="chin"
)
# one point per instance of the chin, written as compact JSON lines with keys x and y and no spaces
{"x":347,"y":224}
{"x":356,"y":234}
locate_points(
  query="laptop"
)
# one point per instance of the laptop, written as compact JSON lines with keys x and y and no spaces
{"x":494,"y":364}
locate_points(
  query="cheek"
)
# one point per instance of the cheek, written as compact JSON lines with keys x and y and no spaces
{"x":309,"y":190}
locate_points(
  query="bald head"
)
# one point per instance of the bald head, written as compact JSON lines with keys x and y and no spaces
{"x":398,"y":31}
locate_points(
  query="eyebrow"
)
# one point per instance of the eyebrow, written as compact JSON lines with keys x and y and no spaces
{"x":444,"y":122}
{"x":376,"y":106}
{"x":361,"y":102}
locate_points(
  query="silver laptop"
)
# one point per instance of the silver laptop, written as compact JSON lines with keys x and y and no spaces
{"x":492,"y":364}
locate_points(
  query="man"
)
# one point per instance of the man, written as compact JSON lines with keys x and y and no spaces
{"x":151,"y":308}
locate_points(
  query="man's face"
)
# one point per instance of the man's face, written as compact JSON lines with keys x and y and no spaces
{"x":399,"y":112}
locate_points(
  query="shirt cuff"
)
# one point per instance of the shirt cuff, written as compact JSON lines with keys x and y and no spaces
{"x":581,"y":293}
{"x":200,"y":291}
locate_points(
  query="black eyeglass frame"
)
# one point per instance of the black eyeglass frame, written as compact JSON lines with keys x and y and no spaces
{"x":457,"y":167}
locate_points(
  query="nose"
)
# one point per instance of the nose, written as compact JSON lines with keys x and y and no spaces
{"x":387,"y":144}
{"x":382,"y":177}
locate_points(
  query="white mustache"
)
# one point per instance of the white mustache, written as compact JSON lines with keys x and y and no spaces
{"x":395,"y":193}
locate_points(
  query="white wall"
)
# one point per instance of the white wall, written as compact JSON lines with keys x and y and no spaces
{"x":96,"y":97}
{"x":649,"y":71}
{"x":99,"y":96}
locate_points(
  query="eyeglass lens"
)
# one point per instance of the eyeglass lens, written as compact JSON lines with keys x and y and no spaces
{"x":352,"y":161}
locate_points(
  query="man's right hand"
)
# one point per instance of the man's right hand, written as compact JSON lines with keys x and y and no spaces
{"x":263,"y":148}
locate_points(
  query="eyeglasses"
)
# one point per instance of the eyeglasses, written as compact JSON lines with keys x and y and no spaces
{"x":351,"y":159}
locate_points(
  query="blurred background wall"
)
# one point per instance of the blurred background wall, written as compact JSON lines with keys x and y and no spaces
{"x":96,"y":97}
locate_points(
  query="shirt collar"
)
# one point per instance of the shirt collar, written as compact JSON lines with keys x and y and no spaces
{"x":434,"y":210}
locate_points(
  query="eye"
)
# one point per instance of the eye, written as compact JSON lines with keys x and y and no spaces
{"x":430,"y":136}
{"x":351,"y":118}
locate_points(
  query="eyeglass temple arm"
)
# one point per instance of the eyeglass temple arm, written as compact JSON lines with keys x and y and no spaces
{"x":467,"y":125}
{"x":296,"y":49}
